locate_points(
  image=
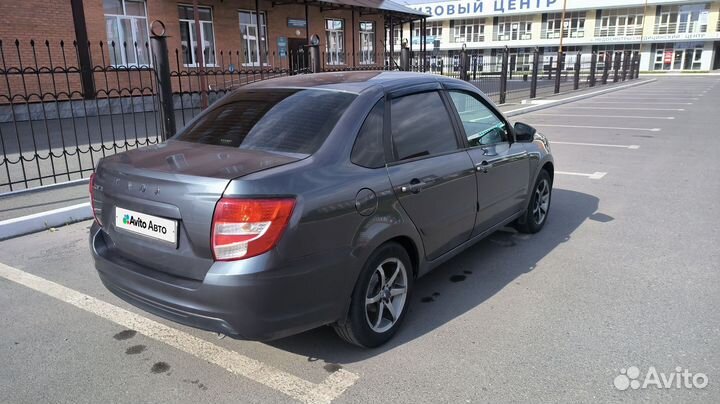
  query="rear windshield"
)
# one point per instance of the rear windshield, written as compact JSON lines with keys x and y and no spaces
{"x":275,"y":120}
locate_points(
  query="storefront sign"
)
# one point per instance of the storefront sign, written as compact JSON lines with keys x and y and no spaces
{"x":667,"y":59}
{"x":282,"y":44}
{"x":482,"y":8}
{"x":296,"y":23}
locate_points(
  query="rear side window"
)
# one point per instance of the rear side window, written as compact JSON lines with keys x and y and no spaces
{"x":275,"y":120}
{"x":368,"y":150}
{"x":421,"y":126}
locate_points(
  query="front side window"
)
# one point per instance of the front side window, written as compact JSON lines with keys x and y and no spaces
{"x":335,"y":41}
{"x":188,"y":38}
{"x":292,"y":121}
{"x":127,"y":32}
{"x":420,"y":126}
{"x":482,"y":126}
{"x":367,"y":42}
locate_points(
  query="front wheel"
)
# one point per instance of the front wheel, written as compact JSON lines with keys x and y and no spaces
{"x":380,"y":298}
{"x":537,"y":212}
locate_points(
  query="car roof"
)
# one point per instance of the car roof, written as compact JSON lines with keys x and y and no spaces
{"x":350,"y":81}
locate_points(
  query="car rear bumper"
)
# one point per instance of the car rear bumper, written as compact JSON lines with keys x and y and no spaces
{"x":262,"y":305}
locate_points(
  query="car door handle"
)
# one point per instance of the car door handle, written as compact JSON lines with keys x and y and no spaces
{"x":483,"y":167}
{"x":414,"y":186}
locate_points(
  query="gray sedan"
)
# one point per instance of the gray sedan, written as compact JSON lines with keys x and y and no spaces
{"x":313,"y":200}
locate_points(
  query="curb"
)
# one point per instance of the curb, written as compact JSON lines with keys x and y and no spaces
{"x":554,"y":103}
{"x":36,"y":222}
{"x":48,"y":187}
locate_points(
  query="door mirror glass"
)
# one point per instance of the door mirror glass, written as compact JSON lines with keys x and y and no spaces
{"x":524,"y":132}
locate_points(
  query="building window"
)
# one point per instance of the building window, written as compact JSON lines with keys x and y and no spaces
{"x":677,"y":56}
{"x":464,"y":31}
{"x":572,"y":27}
{"x":188,"y":40}
{"x":686,"y":19}
{"x":335,"y":41}
{"x":513,"y":29}
{"x":619,"y":22}
{"x":126,"y":27}
{"x":397,"y":33}
{"x":254,"y":38}
{"x":367,"y":42}
{"x":604,"y":50}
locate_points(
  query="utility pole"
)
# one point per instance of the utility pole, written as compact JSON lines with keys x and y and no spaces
{"x":562,"y":26}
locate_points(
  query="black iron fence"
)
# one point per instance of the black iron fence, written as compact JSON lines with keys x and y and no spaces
{"x":58,"y":116}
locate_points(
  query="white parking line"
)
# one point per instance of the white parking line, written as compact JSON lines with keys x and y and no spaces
{"x":295,"y":387}
{"x":594,"y":176}
{"x":628,"y":109}
{"x":604,"y":116}
{"x":597,"y":127}
{"x":636,"y":102}
{"x":620,"y":146}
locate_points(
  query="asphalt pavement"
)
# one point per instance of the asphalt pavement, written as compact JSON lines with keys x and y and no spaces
{"x":623,"y":278}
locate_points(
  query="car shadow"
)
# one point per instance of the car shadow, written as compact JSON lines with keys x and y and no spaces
{"x":462,"y":283}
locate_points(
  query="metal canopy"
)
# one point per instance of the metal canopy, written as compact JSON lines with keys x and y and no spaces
{"x":398,"y":10}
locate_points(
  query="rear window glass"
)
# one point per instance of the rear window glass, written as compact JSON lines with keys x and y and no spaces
{"x":276,"y":120}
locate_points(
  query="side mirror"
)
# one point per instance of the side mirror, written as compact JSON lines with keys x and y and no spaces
{"x":524,"y":132}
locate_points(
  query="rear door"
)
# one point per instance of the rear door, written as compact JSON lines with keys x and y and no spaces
{"x":502,"y":166}
{"x":432,"y":176}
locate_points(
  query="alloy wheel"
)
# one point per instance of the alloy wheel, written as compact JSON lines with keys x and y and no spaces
{"x":386,"y":295}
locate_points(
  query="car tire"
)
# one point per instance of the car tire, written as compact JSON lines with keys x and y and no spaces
{"x":380,"y":298}
{"x":539,"y":207}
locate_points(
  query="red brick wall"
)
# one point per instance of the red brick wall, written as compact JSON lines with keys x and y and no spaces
{"x":52,"y":20}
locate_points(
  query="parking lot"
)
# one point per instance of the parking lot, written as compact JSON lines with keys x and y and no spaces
{"x":625,"y":273}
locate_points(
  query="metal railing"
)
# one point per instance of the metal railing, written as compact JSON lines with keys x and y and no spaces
{"x":58,"y":116}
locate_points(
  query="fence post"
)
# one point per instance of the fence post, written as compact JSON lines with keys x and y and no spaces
{"x":463,"y":64}
{"x":162,"y":70}
{"x":625,"y":64}
{"x":593,"y":68}
{"x":550,"y":68}
{"x":404,"y":56}
{"x":559,"y":66}
{"x":616,"y":67}
{"x":576,"y":77}
{"x":606,"y":69}
{"x":637,"y":64}
{"x":534,"y":78}
{"x":504,"y":75}
{"x":513,"y":59}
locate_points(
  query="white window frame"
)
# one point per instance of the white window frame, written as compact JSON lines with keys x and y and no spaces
{"x":261,"y":37}
{"x":334,"y":55}
{"x":140,"y":41}
{"x":367,"y":54}
{"x":193,"y":40}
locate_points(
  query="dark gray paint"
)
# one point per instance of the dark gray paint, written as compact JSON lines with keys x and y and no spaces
{"x":330,"y":235}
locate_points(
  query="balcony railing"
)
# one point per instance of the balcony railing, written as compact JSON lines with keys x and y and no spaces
{"x":679,"y":28}
{"x":467,"y":38}
{"x":623,"y":30}
{"x":555,"y":33}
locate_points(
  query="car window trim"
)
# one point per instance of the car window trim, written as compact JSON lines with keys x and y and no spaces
{"x":492,"y":109}
{"x":390,"y":155}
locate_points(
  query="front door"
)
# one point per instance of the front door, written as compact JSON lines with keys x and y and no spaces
{"x":431,"y":175}
{"x":502,"y":166}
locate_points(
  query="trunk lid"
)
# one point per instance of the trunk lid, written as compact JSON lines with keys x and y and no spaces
{"x":179,"y":183}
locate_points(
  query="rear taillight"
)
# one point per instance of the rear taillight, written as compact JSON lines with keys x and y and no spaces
{"x":93,"y":201}
{"x":244,"y":228}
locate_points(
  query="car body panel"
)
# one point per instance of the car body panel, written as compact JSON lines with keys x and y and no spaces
{"x":343,"y":212}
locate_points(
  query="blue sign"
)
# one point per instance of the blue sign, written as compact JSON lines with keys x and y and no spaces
{"x":296,"y":23}
{"x":282,"y":44}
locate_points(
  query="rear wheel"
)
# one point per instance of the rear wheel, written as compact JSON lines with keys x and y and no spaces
{"x":536,"y":214}
{"x":380,"y":298}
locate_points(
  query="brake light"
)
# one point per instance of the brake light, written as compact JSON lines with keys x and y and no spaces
{"x":93,"y":203}
{"x":244,"y":228}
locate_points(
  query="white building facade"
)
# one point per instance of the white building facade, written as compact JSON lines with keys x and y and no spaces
{"x":671,"y":35}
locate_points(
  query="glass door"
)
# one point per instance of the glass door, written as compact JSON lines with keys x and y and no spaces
{"x":677,"y":60}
